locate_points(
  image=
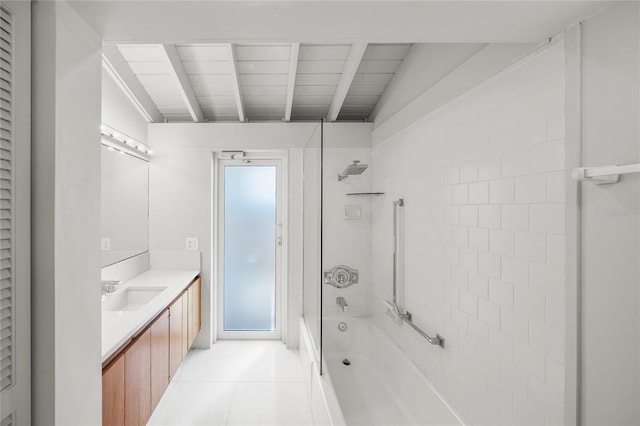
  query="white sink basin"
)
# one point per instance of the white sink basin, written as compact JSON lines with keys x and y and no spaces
{"x":131,"y":299}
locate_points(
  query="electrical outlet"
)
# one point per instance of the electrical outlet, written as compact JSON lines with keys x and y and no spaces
{"x":191,"y":243}
{"x":105,"y":244}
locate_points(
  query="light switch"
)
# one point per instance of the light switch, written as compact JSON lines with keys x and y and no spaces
{"x":105,"y":244}
{"x":192,"y":243}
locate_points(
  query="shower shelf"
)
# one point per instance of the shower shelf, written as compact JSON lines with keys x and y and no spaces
{"x":366,"y":193}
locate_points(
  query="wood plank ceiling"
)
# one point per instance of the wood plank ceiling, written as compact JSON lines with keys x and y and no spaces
{"x":254,"y":82}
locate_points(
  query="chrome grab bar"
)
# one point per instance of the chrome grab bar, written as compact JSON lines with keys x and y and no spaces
{"x":604,"y":174}
{"x":437,"y":340}
{"x":405,"y":315}
{"x":396,"y":204}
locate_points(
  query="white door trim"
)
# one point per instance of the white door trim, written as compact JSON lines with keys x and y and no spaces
{"x":277,"y":158}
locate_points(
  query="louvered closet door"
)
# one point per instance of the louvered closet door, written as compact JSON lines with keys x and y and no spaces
{"x":6,"y":201}
{"x":14,"y":213}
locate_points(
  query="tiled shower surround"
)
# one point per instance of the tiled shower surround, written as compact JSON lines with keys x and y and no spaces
{"x":483,"y":180}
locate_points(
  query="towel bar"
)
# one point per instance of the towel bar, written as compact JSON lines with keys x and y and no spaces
{"x":604,"y":174}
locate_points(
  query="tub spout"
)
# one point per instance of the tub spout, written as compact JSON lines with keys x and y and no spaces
{"x":340,"y":301}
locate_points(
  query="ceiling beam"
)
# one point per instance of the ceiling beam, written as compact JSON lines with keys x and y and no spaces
{"x":184,"y":84}
{"x":235,"y":81}
{"x":348,"y":73}
{"x":121,"y":72}
{"x":302,"y":21}
{"x":293,"y":69}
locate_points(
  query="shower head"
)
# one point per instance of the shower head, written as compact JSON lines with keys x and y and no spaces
{"x":353,"y":169}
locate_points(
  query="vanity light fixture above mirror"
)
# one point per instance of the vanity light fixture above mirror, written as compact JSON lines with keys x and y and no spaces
{"x":124,"y":144}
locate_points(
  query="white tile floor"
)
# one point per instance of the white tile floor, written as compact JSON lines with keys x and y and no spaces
{"x":237,"y":382}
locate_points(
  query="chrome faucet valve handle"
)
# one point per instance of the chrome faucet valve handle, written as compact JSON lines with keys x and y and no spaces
{"x":342,"y":303}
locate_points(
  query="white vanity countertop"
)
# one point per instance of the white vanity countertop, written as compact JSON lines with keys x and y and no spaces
{"x":118,"y":327}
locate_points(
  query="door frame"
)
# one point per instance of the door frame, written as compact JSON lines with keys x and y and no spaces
{"x":279,"y":159}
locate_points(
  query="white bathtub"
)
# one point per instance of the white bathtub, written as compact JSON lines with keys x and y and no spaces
{"x":380,"y":386}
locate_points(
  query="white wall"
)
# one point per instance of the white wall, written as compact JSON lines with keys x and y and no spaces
{"x":259,"y":136}
{"x":181,"y":191}
{"x":610,"y":215}
{"x":346,"y":241}
{"x":119,"y":113}
{"x":65,"y":218}
{"x":312,"y":281}
{"x":483,"y":183}
{"x":406,"y":101}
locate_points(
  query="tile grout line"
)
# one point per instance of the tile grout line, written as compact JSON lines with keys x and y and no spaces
{"x":233,"y":394}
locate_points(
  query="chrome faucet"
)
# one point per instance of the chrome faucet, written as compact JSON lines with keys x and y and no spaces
{"x":340,"y":301}
{"x":109,"y":286}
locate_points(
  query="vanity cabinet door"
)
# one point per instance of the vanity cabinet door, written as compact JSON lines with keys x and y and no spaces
{"x":159,"y":357}
{"x":113,"y":393}
{"x":176,"y":341}
{"x":193,"y":295}
{"x":137,"y":391}
{"x":198,"y":307}
{"x":185,"y":323}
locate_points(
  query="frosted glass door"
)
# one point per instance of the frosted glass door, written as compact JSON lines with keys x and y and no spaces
{"x":250,"y":252}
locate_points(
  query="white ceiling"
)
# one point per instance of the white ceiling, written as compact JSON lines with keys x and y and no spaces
{"x":331,"y":22}
{"x":378,"y":66}
{"x":209,"y":60}
{"x":258,"y":82}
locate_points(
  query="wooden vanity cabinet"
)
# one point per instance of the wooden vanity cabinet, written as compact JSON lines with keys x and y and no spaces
{"x":113,"y":392}
{"x":137,"y":379}
{"x":159,"y":357}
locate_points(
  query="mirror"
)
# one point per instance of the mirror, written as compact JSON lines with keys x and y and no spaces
{"x":125,"y":206}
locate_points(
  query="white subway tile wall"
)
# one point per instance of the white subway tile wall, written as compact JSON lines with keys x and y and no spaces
{"x":484,"y":186}
{"x":346,"y":241}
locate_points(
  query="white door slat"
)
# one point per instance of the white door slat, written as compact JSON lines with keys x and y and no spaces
{"x":6,"y":206}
